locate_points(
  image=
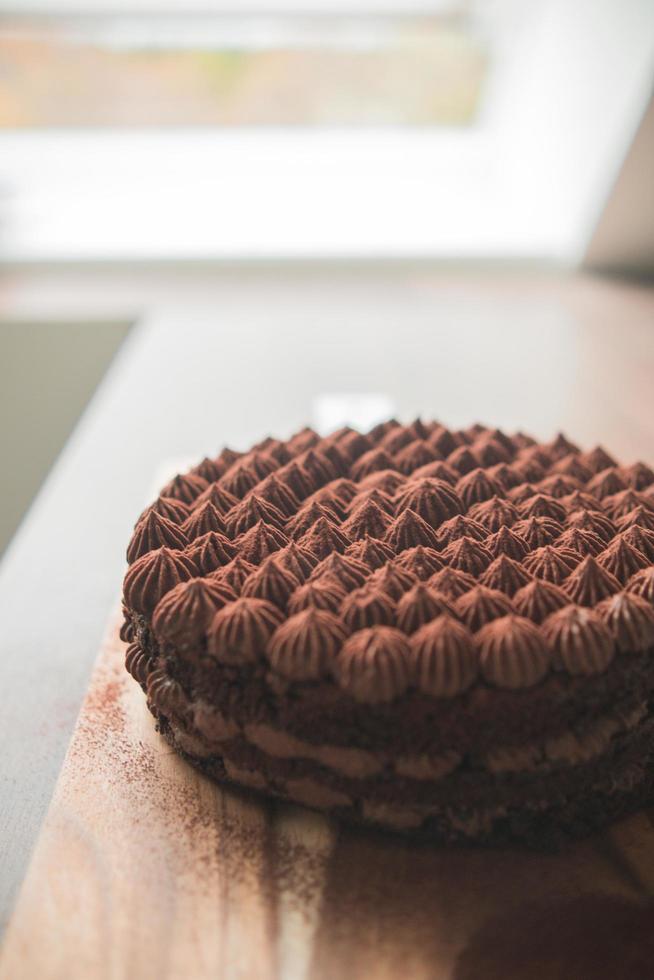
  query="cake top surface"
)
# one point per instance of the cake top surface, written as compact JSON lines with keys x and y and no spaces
{"x":409,"y":557}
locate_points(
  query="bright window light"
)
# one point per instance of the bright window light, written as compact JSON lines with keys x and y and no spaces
{"x":458,"y":130}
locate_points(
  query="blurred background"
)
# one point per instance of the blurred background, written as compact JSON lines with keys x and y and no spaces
{"x":408,"y":199}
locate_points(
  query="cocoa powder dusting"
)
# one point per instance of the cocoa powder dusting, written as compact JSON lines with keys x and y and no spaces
{"x":206,"y":835}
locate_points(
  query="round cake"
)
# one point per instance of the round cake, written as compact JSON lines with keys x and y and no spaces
{"x":448,"y":633}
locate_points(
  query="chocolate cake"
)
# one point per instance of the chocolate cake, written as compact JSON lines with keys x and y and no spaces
{"x":447,"y":633}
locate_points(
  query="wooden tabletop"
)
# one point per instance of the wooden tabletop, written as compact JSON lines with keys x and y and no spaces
{"x":226,"y":358}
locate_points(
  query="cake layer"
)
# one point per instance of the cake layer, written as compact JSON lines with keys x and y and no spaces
{"x":595,"y":793}
{"x":472,"y":722}
{"x":453,"y":781}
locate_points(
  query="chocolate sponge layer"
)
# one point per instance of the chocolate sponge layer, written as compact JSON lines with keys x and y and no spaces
{"x":537,"y":810}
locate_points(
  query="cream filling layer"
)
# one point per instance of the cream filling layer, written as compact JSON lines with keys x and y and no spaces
{"x":469,"y":822}
{"x":351,"y":762}
{"x":572,"y":748}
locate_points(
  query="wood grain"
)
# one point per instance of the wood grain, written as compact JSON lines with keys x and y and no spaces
{"x":145,"y":869}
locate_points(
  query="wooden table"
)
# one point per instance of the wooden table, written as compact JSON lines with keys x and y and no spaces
{"x":284,"y":894}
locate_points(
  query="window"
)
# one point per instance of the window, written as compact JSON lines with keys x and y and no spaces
{"x":460,"y":129}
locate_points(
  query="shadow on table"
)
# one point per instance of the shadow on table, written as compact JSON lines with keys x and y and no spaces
{"x":392,"y":908}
